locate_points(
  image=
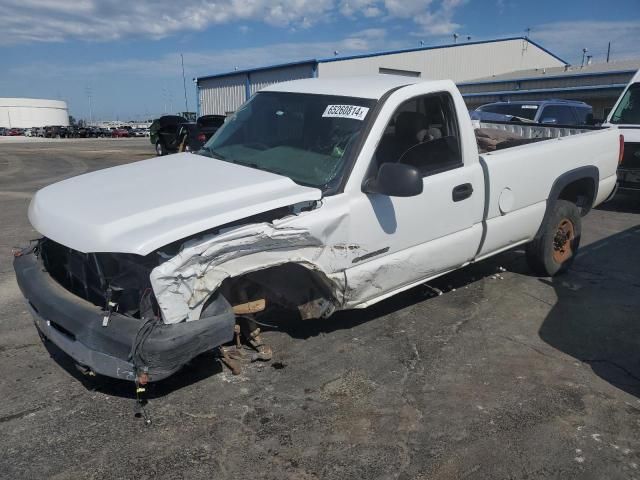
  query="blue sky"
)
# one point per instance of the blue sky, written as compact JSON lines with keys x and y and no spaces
{"x":127,"y":54}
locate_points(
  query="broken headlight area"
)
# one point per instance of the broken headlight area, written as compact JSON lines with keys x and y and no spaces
{"x":118,"y":281}
{"x":100,"y":310}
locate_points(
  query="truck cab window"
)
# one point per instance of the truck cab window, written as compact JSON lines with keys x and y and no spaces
{"x":628,"y":110}
{"x":563,"y":115}
{"x":423,"y":132}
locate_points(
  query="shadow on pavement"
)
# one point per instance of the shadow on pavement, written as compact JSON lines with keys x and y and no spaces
{"x":200,"y":368}
{"x":623,"y":202}
{"x":596,"y":318}
{"x":207,"y":365}
{"x":512,"y":260}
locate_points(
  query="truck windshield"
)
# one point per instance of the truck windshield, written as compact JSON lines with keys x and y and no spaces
{"x":308,"y":138}
{"x":628,"y":110}
{"x":520,"y":110}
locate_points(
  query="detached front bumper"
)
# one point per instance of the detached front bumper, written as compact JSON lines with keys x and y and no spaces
{"x":75,"y":326}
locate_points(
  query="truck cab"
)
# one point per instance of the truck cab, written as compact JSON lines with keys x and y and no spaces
{"x":625,"y":116}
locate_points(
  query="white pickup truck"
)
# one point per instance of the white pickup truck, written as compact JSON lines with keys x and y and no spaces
{"x":317,"y":195}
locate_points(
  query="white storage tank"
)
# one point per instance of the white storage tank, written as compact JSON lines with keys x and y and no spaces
{"x":33,"y":112}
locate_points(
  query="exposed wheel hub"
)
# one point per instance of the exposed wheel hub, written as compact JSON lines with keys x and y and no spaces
{"x":565,"y":233}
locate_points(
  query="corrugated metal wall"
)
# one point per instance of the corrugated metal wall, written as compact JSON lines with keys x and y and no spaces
{"x":219,"y":96}
{"x":549,"y":82}
{"x":222,"y":95}
{"x":459,"y":63}
{"x":261,"y":79}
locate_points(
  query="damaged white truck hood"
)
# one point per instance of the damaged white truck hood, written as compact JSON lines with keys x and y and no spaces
{"x":139,"y":207}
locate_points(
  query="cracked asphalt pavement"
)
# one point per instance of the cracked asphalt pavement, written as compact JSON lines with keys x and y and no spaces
{"x":503,"y":376}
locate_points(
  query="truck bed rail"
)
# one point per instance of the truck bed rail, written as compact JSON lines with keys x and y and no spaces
{"x":535,"y":130}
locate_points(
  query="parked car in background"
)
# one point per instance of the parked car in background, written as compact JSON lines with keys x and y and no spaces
{"x":86,"y":132}
{"x":28,"y":132}
{"x":54,"y":131}
{"x":120,"y":133}
{"x":209,"y":124}
{"x":38,"y":132}
{"x":15,"y":132}
{"x":103,"y":132}
{"x":190,"y":138}
{"x":72,"y":131}
{"x":173,"y":133}
{"x":3,"y":131}
{"x":549,"y":112}
{"x":137,"y":132}
{"x":625,"y":116}
{"x":164,"y":133}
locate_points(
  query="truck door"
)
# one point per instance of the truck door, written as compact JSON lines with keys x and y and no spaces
{"x":406,"y":240}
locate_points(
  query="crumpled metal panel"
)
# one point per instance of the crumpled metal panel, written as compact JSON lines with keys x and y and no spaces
{"x":183,"y":283}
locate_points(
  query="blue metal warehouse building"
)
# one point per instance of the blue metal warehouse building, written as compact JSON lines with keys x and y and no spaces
{"x":462,"y":62}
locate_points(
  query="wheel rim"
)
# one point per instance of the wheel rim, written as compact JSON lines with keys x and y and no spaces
{"x":563,"y":240}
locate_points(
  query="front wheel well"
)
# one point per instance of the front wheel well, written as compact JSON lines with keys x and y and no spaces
{"x":291,"y":286}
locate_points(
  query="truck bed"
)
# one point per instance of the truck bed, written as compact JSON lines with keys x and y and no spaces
{"x":500,"y":135}
{"x":519,"y":180}
{"x":536,"y":130}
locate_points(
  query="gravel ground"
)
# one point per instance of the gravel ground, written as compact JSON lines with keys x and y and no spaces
{"x":505,"y":375}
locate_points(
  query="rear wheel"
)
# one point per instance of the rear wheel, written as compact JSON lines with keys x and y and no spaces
{"x":160,"y":150}
{"x":555,"y":249}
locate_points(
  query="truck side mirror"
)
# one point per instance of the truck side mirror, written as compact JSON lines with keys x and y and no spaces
{"x":549,"y":121}
{"x":395,"y":180}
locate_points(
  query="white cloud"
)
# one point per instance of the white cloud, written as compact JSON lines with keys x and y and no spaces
{"x":439,"y":21}
{"x":215,"y":61}
{"x":105,"y":20}
{"x":567,"y":39}
{"x":350,"y":8}
{"x":406,"y":8}
{"x":46,"y":21}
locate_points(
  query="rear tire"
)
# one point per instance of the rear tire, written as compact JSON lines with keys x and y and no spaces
{"x":160,"y":150}
{"x":556,"y":248}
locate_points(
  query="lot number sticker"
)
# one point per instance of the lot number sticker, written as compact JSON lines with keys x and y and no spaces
{"x":346,"y":111}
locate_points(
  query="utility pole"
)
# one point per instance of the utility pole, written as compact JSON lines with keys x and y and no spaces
{"x":184,"y":85}
{"x":455,"y":37}
{"x":584,"y":54}
{"x":165,"y":95}
{"x":608,"y":51}
{"x":90,"y":95}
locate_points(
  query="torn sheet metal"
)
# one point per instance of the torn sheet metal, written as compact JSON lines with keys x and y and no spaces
{"x":183,"y":283}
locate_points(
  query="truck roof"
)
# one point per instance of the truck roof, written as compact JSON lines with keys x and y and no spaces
{"x":362,"y":86}
{"x":557,"y":101}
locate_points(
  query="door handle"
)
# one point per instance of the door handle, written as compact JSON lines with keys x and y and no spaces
{"x":461,"y":192}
